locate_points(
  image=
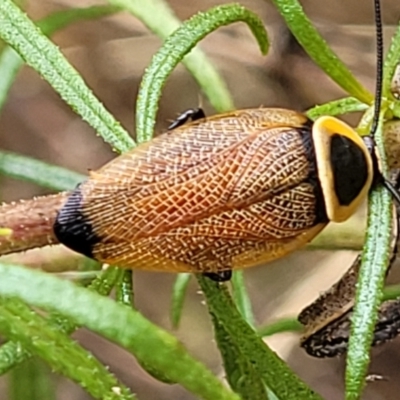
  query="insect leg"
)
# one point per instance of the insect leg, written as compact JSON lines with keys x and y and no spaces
{"x":191,"y":114}
{"x":222,"y":276}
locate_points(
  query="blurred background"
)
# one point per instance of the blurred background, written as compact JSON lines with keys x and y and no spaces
{"x":111,"y":54}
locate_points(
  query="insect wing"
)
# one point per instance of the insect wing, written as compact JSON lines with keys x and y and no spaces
{"x":181,"y":201}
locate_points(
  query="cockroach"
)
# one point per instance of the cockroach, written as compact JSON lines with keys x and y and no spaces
{"x":221,"y":193}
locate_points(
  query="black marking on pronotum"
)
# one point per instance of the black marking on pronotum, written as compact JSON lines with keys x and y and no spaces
{"x":349,"y":167}
{"x":73,"y":229}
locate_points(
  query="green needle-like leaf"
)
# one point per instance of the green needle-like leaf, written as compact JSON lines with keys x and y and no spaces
{"x":391,"y":292}
{"x":13,"y":353}
{"x":61,"y":19}
{"x":337,"y":107}
{"x":11,"y":62}
{"x":276,"y":375}
{"x":317,"y":48}
{"x":241,"y":297}
{"x":242,"y":375}
{"x":176,"y":47}
{"x":178,"y":297}
{"x":375,"y":260}
{"x":282,"y":325}
{"x":124,"y":288}
{"x":21,"y":324}
{"x":31,"y":380}
{"x":115,"y":322}
{"x":391,"y":61}
{"x":42,"y":55}
{"x":160,"y":19}
{"x":35,"y":171}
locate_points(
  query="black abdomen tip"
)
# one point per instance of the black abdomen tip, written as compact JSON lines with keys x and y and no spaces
{"x":72,"y":228}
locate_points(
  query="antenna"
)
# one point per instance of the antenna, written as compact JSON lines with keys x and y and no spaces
{"x":379,"y":66}
{"x":378,"y":88}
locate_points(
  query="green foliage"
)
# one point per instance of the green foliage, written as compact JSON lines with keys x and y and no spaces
{"x":39,"y":172}
{"x":318,"y":50}
{"x":161,"y":20}
{"x":178,"y":297}
{"x":45,"y":57}
{"x":110,"y":319}
{"x":252,"y":370}
{"x":30,"y":381}
{"x":245,"y":354}
{"x":13,"y":353}
{"x":375,"y":259}
{"x":176,"y":46}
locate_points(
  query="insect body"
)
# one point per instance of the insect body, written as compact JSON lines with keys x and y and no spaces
{"x":219,"y":193}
